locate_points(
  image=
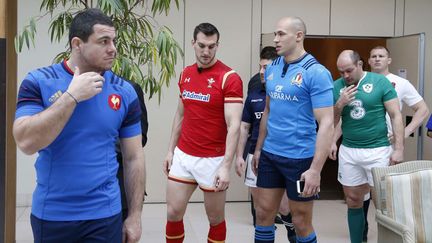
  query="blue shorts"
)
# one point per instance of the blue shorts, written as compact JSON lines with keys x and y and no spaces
{"x":105,"y":230}
{"x":275,"y":171}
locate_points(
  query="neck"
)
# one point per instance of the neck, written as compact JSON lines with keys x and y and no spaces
{"x":299,"y":52}
{"x":74,"y":62}
{"x":381,"y":71}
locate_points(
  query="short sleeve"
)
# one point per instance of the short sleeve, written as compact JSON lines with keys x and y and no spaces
{"x":389,"y":91}
{"x":131,"y":125}
{"x":247,"y":111}
{"x":320,"y":85}
{"x":29,"y":101}
{"x":232,"y":86}
{"x":410,"y":95}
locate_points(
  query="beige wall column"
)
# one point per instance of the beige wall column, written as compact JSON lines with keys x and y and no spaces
{"x":8,"y":74}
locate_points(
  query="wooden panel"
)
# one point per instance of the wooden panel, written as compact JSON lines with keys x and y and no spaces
{"x":362,"y":18}
{"x":315,"y":13}
{"x":404,"y":52}
{"x":8,"y":102}
{"x":2,"y":18}
{"x":326,"y":50}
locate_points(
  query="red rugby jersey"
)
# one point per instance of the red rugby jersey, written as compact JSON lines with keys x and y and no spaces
{"x":204,"y":94}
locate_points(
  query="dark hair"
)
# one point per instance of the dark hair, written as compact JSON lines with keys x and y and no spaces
{"x":207,"y":29}
{"x":269,"y":53}
{"x":82,"y":24}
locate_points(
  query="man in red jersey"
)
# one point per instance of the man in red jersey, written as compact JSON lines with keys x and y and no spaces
{"x":204,"y":136}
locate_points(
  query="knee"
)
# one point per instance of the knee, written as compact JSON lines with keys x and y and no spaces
{"x":265,"y":211}
{"x":174,"y":213}
{"x":354,"y":201}
{"x":301,"y":222}
{"x":215,"y":218}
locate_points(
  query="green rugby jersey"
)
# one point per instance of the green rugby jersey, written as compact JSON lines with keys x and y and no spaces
{"x":363,"y":120}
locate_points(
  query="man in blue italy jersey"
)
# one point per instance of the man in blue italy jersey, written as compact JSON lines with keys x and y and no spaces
{"x":72,"y":113}
{"x":298,"y":93}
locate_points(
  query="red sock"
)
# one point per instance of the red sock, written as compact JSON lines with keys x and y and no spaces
{"x":217,"y":233}
{"x":174,"y":232}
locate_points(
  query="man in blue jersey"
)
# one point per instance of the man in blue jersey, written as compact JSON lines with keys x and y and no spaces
{"x":252,"y":111}
{"x":72,"y":113}
{"x":298,"y":92}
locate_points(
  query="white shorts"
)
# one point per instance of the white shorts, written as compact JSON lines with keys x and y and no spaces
{"x":250,"y":177}
{"x":189,"y":169}
{"x":355,"y":164}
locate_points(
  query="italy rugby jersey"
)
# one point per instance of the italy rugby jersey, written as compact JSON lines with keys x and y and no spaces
{"x":204,"y":93}
{"x":295,"y":89}
{"x":76,"y":173}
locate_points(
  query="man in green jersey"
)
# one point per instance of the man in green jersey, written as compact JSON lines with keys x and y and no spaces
{"x":361,"y":101}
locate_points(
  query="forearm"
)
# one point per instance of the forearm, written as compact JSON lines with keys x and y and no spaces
{"x":135,"y":174}
{"x":322,"y":146}
{"x":398,"y":130}
{"x":231,"y":143}
{"x":337,"y":132}
{"x":337,"y":111}
{"x":36,"y":132}
{"x":244,"y":130}
{"x":419,"y":116}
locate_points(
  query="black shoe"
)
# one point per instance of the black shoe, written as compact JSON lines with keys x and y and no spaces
{"x":278,"y":220}
{"x":292,"y":239}
{"x":287,"y":221}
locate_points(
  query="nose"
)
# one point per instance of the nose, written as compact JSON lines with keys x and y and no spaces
{"x":112,"y":47}
{"x":345,"y":75}
{"x":276,"y":39}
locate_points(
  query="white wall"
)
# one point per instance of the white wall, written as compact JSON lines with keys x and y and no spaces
{"x":240,"y":22}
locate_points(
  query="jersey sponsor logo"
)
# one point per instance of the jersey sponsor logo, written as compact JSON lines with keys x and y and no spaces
{"x":278,"y":88}
{"x":367,"y":88}
{"x":258,"y":115}
{"x":210,"y":81}
{"x":278,"y":95}
{"x":114,"y":101}
{"x":297,"y":80}
{"x":357,"y":112}
{"x":188,"y":95}
{"x":55,"y":96}
{"x":256,"y":100}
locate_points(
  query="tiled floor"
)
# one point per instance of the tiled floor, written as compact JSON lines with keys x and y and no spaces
{"x":329,"y":221}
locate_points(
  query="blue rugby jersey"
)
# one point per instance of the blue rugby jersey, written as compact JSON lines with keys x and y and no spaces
{"x":252,"y":113}
{"x":295,"y":89}
{"x":76,"y":173}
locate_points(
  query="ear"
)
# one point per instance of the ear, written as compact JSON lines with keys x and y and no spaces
{"x":389,"y":60}
{"x":300,"y":35}
{"x":192,"y":42}
{"x":75,"y":43}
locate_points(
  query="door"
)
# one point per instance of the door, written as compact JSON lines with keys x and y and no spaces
{"x":407,"y":53}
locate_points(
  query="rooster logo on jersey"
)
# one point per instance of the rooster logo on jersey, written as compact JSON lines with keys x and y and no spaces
{"x":114,"y":101}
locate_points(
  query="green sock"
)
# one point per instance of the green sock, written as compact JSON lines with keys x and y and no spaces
{"x":356,"y":222}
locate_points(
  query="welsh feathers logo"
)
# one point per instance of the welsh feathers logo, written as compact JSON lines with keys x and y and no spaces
{"x":114,"y":101}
